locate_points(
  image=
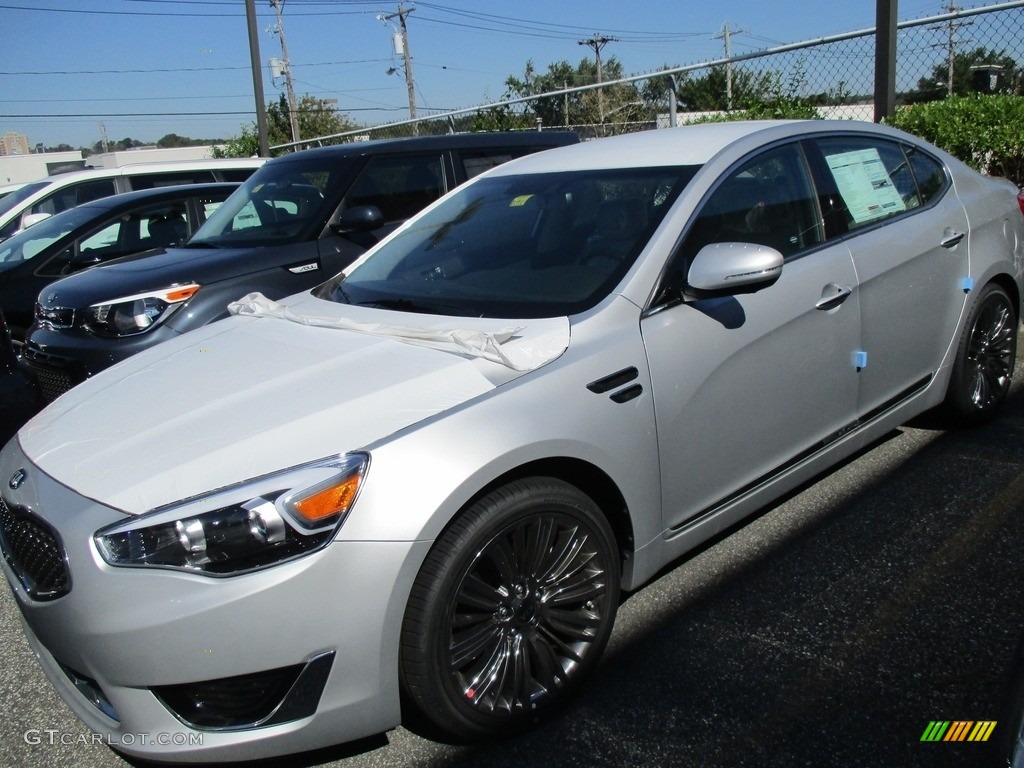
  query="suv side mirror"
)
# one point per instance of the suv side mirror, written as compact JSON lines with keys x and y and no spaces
{"x":361,"y":218}
{"x":732,"y":268}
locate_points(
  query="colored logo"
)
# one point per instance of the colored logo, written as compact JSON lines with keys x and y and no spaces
{"x":958,"y":730}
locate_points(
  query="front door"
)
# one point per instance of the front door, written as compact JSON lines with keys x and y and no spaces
{"x":746,"y":384}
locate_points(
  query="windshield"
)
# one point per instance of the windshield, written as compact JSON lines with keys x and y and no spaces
{"x":539,"y":245}
{"x":281,"y":203}
{"x":32,"y":241}
{"x":11,"y":199}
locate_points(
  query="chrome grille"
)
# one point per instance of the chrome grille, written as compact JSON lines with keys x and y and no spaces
{"x":55,"y":317}
{"x":34,"y":552}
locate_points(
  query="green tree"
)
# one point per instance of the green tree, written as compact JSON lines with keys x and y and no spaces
{"x":174,"y":140}
{"x":936,"y":85}
{"x":582,"y":108}
{"x":316,"y":118}
{"x":501,"y":118}
{"x":710,"y":92}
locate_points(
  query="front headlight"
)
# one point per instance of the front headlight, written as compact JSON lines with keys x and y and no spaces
{"x":252,"y":525}
{"x":130,"y":315}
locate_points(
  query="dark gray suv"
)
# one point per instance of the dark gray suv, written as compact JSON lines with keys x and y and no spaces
{"x":298,"y":220}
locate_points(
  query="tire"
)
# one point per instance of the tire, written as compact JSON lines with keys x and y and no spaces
{"x":983,"y":368}
{"x":512,"y":608}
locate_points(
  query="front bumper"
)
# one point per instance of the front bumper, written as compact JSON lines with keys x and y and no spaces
{"x":121,"y":638}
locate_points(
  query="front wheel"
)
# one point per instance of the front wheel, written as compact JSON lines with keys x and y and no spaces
{"x":512,"y":607}
{"x":985,"y":358}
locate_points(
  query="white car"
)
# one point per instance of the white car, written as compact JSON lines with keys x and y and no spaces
{"x":28,"y":204}
{"x":434,"y":473}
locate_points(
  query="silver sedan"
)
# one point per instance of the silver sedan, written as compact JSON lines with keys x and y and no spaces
{"x":427,"y":481}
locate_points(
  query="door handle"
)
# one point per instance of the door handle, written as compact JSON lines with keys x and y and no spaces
{"x":951,"y":238}
{"x":837,"y":295}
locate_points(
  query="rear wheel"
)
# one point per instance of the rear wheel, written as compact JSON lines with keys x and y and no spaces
{"x":985,"y":357}
{"x":512,"y":607}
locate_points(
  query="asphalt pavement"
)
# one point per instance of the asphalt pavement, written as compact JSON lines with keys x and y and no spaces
{"x":830,"y":630}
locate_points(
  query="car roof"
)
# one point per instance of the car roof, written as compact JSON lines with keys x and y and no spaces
{"x":684,"y":145}
{"x":166,"y":166}
{"x":446,"y":141}
{"x":155,"y":194}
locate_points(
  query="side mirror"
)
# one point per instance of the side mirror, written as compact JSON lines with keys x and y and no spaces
{"x":33,"y":218}
{"x":731,"y":268}
{"x":361,"y":218}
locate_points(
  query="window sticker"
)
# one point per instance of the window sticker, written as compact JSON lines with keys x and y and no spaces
{"x":865,"y":185}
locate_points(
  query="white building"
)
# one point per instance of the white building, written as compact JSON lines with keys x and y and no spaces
{"x":32,"y":167}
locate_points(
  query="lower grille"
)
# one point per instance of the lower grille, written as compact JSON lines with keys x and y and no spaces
{"x":34,"y":552}
{"x":50,"y":375}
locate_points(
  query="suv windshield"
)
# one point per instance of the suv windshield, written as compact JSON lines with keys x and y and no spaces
{"x":30,"y":242}
{"x":11,"y":199}
{"x":281,"y":203}
{"x":537,"y":245}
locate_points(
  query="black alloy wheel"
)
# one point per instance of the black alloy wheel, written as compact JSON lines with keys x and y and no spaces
{"x":986,"y":355}
{"x":513,"y":606}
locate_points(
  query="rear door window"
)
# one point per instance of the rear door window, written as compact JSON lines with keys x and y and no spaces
{"x":476,"y":161}
{"x":872,"y":176}
{"x":398,"y":186}
{"x":75,"y":194}
{"x":151,"y":180}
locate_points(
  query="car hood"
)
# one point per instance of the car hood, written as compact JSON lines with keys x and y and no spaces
{"x":162,"y":268}
{"x":251,"y":395}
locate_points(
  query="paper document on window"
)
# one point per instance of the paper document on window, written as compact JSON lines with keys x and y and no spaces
{"x":865,"y":185}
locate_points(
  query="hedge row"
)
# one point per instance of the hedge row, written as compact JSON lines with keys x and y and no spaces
{"x":986,"y":132}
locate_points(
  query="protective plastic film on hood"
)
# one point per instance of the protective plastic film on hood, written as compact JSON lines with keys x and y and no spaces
{"x":495,"y":346}
{"x":245,"y":397}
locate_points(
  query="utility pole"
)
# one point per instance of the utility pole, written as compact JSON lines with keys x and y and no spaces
{"x":597,"y":42}
{"x":726,"y":32}
{"x":885,"y":59}
{"x":401,"y":40}
{"x":293,"y":115}
{"x":951,"y":44}
{"x":257,"y":79}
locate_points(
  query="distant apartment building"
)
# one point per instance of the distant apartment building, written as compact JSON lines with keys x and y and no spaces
{"x":12,"y":143}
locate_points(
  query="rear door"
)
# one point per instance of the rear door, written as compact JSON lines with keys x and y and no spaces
{"x":908,"y":244}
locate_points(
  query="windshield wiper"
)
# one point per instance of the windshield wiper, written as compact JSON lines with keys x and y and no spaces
{"x":200,"y":244}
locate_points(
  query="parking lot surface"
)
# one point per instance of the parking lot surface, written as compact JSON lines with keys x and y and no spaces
{"x":829,"y":630}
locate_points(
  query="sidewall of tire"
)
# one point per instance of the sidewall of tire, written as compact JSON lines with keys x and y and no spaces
{"x":425,"y":629}
{"x":958,"y":402}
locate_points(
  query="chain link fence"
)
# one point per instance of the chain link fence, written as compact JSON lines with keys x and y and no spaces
{"x":971,"y":50}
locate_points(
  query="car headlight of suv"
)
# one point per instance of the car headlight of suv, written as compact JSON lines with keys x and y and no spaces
{"x":252,"y":525}
{"x":130,"y":315}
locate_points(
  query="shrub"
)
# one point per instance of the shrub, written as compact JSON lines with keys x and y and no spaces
{"x":986,"y":132}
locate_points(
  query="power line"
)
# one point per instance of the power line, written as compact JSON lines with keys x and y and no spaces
{"x":135,"y":114}
{"x":176,"y":69}
{"x":165,"y":13}
{"x":569,"y":30}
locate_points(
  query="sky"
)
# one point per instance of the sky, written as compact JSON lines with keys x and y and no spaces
{"x":147,"y":68}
